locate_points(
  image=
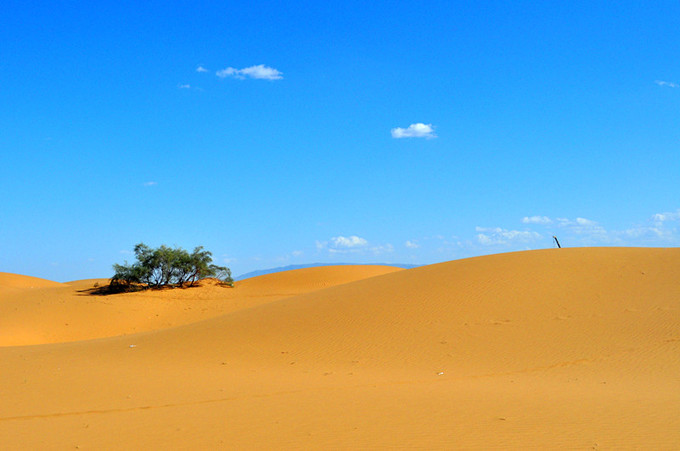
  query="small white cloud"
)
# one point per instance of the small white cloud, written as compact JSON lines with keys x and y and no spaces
{"x":387,"y":248}
{"x":565,"y":222}
{"x":201,"y":69}
{"x":297,"y":253}
{"x":496,"y":235}
{"x":259,"y":72}
{"x":228,"y":72}
{"x":591,"y":231}
{"x":150,"y":183}
{"x":262,"y":72}
{"x":181,"y":86}
{"x":536,"y":220}
{"x":411,"y":244}
{"x":578,"y":223}
{"x":485,"y":240}
{"x":649,"y":232}
{"x":585,"y":222}
{"x":668,"y":84}
{"x":418,"y":130}
{"x":664,"y":217}
{"x":347,"y":242}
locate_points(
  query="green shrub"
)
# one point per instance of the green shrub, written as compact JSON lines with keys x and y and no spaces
{"x":165,"y":266}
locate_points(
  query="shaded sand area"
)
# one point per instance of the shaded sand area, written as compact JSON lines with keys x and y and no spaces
{"x":558,"y":348}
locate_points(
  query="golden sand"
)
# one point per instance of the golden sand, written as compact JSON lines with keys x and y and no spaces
{"x":559,"y":348}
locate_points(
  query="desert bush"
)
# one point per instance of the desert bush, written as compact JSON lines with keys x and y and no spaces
{"x":165,"y":266}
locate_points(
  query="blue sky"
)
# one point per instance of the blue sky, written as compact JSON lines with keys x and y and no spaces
{"x":277,"y":133}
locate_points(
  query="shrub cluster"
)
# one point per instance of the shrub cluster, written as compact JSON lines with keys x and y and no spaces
{"x":156,"y":268}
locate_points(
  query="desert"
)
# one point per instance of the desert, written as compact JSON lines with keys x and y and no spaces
{"x":573,"y":348}
{"x":339,"y":225}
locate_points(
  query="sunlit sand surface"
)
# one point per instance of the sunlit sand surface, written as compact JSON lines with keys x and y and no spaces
{"x":558,"y":348}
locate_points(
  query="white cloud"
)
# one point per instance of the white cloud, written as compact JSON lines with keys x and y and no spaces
{"x":351,"y":245}
{"x":647,"y":232}
{"x":418,"y":130}
{"x":581,"y":225}
{"x":228,"y":72}
{"x":347,"y":242}
{"x":659,"y":229}
{"x":411,"y":244}
{"x":181,"y":86}
{"x":485,"y":240}
{"x":495,"y":235}
{"x":382,"y":249}
{"x":585,"y":222}
{"x":668,"y":84}
{"x":259,"y":72}
{"x":665,"y":217}
{"x":201,"y":69}
{"x":150,"y":183}
{"x":297,"y":253}
{"x":566,"y":222}
{"x":589,"y":232}
{"x":536,"y":220}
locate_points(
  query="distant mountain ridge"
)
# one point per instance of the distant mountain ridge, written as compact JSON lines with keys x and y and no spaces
{"x":262,"y":272}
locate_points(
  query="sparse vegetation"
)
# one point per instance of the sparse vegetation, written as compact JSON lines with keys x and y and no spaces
{"x":165,"y":266}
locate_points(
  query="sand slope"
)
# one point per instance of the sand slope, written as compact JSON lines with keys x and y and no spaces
{"x":560,"y":348}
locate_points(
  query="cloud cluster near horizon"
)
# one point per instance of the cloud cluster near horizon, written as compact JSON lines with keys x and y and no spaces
{"x":661,"y":229}
{"x":658,"y":230}
{"x":418,"y":130}
{"x":583,"y":230}
{"x":258,"y":72}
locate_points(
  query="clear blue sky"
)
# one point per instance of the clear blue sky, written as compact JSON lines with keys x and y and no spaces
{"x":278,"y":133}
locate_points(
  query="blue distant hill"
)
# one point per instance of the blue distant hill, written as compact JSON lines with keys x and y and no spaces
{"x":262,"y":272}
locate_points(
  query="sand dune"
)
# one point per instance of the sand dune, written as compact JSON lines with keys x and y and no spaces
{"x":36,"y":311}
{"x":560,"y":348}
{"x":8,"y":281}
